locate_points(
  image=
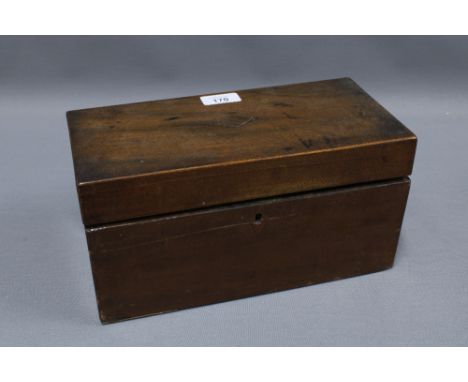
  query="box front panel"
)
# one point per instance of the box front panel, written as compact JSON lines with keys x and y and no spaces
{"x":184,"y":260}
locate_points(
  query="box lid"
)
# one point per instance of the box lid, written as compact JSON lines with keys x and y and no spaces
{"x":160,"y":157}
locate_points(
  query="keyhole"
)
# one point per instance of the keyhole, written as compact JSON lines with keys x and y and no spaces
{"x":258,"y":218}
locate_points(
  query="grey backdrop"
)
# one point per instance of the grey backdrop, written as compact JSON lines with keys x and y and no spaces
{"x":46,"y":289}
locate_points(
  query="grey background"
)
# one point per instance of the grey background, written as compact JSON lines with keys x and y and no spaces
{"x":46,"y":288}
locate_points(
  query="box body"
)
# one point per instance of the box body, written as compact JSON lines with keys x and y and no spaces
{"x":184,"y":260}
{"x":186,"y":204}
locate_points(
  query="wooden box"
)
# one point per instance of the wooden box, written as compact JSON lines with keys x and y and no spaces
{"x":199,"y":200}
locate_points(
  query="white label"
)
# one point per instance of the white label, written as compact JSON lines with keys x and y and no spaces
{"x":218,"y":99}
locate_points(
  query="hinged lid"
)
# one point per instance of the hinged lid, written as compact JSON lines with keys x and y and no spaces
{"x":160,"y":157}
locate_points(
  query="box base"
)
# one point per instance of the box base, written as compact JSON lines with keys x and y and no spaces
{"x":162,"y":264}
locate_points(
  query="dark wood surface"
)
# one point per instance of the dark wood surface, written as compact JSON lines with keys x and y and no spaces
{"x":189,"y":259}
{"x":160,"y":157}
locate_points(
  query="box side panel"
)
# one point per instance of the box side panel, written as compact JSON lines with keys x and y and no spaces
{"x":164,"y":264}
{"x":134,"y":197}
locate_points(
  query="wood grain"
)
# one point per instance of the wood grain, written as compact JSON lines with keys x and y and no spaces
{"x":189,"y":259}
{"x":159,"y":157}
